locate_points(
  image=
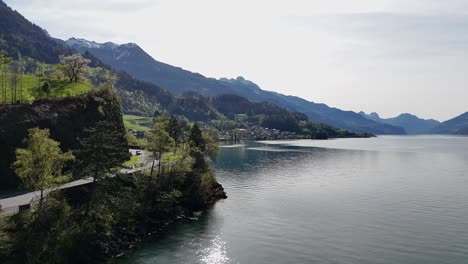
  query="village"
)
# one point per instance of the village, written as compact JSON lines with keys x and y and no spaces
{"x":257,"y":133}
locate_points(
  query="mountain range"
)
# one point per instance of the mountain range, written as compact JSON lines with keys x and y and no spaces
{"x":146,"y":85}
{"x":135,"y":61}
{"x":454,"y":126}
{"x":141,"y":97}
{"x":412,"y":124}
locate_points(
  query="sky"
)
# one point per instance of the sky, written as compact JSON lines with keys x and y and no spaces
{"x":385,"y":56}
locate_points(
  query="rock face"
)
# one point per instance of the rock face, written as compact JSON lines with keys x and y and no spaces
{"x":66,"y":118}
{"x":216,"y":193}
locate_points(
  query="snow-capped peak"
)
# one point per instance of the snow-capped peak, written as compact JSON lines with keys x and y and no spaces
{"x":74,"y":42}
{"x":83,"y":43}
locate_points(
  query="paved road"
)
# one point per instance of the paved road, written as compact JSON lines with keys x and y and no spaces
{"x":11,"y":205}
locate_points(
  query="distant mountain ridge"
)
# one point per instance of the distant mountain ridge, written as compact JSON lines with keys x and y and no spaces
{"x":412,"y":124}
{"x":135,"y":61}
{"x":21,"y":38}
{"x":455,"y":126}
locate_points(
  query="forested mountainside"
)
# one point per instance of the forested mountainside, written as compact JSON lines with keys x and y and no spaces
{"x":412,"y":124}
{"x":134,"y":60}
{"x":19,"y":37}
{"x":140,"y":97}
{"x":265,"y":114}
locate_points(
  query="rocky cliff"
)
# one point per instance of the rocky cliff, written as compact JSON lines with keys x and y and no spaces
{"x":66,"y":118}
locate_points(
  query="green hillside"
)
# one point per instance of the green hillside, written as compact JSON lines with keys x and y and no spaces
{"x":138,"y":123}
{"x":29,"y":88}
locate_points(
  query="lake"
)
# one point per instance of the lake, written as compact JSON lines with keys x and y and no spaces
{"x":382,"y":200}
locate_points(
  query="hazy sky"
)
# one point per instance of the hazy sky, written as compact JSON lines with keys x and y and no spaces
{"x":388,"y":56}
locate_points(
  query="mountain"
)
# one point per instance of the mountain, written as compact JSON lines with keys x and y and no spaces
{"x":146,"y":98}
{"x":134,"y":60}
{"x":412,"y":124}
{"x":18,"y":37}
{"x":264,"y":114}
{"x":372,"y":116}
{"x":455,"y":126}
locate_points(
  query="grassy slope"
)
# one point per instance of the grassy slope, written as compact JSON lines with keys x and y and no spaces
{"x":138,"y":123}
{"x":59,"y":88}
{"x":133,"y":161}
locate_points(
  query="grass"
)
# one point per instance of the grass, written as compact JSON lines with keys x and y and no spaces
{"x":61,"y":88}
{"x":138,"y":123}
{"x":31,"y":88}
{"x":133,"y":161}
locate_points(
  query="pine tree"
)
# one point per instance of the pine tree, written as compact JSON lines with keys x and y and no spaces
{"x":101,"y":151}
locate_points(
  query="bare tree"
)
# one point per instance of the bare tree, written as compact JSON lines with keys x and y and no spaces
{"x":15,"y":79}
{"x":73,"y":66}
{"x":21,"y":73}
{"x":4,"y":62}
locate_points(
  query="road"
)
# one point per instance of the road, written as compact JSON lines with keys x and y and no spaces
{"x":11,"y":205}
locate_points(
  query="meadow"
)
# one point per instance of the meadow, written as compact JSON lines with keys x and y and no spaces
{"x":29,"y":88}
{"x":138,"y":123}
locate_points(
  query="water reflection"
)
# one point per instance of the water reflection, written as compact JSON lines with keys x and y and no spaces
{"x":216,"y":253}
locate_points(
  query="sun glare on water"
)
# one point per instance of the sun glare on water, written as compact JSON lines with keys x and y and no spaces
{"x":215,"y":253}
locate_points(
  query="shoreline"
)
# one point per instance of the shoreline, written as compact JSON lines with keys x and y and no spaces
{"x":218,"y":193}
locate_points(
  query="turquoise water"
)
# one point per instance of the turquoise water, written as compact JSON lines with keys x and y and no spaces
{"x":381,"y":200}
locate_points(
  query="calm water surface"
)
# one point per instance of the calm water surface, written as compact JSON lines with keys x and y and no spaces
{"x":381,"y":200}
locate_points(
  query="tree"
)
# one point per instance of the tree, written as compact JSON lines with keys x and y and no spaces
{"x":131,"y":139}
{"x":4,"y":62}
{"x":175,"y":131}
{"x":40,"y":165}
{"x":203,"y":146}
{"x":196,"y":138}
{"x":58,"y":71}
{"x":211,"y":138}
{"x":73,"y":66}
{"x":159,"y":142}
{"x":178,"y":162}
{"x":14,"y":80}
{"x":46,"y":88}
{"x":197,"y":149}
{"x":102,"y":151}
{"x":20,"y":72}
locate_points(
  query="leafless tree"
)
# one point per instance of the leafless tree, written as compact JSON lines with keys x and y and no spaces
{"x":4,"y":62}
{"x":14,"y":81}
